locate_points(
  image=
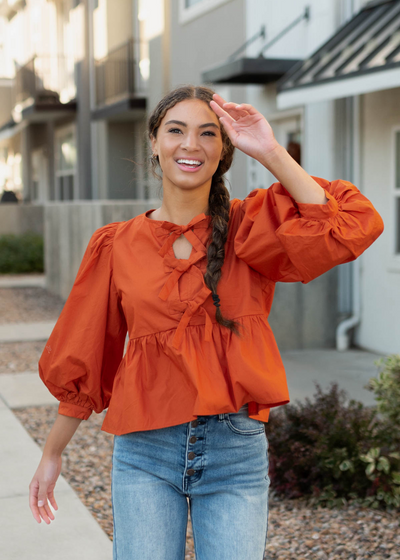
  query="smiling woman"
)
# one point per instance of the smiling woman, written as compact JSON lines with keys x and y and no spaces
{"x":192,"y":282}
{"x":194,"y":144}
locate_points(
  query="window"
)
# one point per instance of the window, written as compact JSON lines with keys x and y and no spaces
{"x":191,"y":9}
{"x":65,"y":163}
{"x":396,"y":194}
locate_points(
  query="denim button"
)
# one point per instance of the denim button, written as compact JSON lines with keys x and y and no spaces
{"x":190,"y":472}
{"x":192,"y":455}
{"x":193,"y":439}
{"x":195,"y":423}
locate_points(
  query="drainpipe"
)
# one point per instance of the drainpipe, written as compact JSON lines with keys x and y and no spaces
{"x":342,"y":336}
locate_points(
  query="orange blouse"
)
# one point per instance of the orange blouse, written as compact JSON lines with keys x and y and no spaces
{"x":179,"y":362}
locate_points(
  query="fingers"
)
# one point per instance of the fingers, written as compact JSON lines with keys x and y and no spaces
{"x":39,"y":505}
{"x":52,"y":499}
{"x":218,"y":99}
{"x":246,"y":107}
{"x":232,"y":110}
{"x":231,"y":132}
{"x":219,"y":111}
{"x":45,"y":511}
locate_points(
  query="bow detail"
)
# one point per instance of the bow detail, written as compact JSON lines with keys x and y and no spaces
{"x":192,"y":306}
{"x":199,"y":222}
{"x":180,"y":266}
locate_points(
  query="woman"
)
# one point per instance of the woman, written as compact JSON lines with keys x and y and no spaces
{"x":188,"y":400}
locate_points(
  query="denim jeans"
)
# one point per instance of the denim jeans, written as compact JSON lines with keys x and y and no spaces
{"x":216,"y":465}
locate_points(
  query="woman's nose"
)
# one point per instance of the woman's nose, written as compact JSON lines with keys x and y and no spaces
{"x":190,"y":141}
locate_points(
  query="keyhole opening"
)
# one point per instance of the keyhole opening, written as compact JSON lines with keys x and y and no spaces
{"x":182,"y":248}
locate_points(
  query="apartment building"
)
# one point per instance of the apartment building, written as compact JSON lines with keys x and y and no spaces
{"x":73,"y":100}
{"x":77,"y":86}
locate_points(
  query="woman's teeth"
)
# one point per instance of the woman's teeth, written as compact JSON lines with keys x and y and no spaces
{"x":190,"y":163}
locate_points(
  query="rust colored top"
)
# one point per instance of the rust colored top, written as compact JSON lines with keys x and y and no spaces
{"x":179,"y":362}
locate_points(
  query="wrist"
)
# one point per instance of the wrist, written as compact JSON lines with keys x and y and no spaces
{"x":51,"y":455}
{"x":274,"y":157}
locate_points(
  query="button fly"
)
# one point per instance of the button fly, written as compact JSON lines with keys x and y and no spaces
{"x":193,"y":439}
{"x":191,"y":472}
{"x":195,"y":423}
{"x":192,"y":455}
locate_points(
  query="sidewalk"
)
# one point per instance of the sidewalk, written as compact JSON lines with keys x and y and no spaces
{"x":75,"y":534}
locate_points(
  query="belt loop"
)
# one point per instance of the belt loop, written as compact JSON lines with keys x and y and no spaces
{"x":221,"y":417}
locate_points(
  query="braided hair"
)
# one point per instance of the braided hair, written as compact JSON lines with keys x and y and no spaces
{"x":219,"y":198}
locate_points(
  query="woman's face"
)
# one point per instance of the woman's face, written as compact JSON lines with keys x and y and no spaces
{"x":189,"y":131}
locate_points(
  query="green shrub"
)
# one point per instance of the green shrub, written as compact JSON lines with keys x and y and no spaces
{"x":21,"y":253}
{"x":386,"y":387}
{"x":332,"y":450}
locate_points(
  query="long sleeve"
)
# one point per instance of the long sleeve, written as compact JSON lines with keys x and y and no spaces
{"x":288,"y":241}
{"x":85,"y":348}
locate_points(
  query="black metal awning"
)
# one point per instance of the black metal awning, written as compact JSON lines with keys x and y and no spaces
{"x":249,"y":71}
{"x":362,"y":56}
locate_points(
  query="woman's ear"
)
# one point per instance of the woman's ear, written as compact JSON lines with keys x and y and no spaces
{"x":153,"y":143}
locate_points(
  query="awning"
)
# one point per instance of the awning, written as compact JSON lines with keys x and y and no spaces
{"x":249,"y":71}
{"x":363,"y":56}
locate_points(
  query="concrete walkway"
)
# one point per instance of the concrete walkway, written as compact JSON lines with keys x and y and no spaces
{"x":22,"y":281}
{"x":75,"y":534}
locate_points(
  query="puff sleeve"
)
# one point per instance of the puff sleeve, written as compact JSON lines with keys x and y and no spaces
{"x":85,"y":348}
{"x":288,"y":241}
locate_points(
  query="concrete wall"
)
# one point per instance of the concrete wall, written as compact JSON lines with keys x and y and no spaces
{"x":380,"y":280}
{"x":68,"y":229}
{"x":19,"y":218}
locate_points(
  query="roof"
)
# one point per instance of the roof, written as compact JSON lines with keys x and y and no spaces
{"x":364,"y":47}
{"x":249,"y":71}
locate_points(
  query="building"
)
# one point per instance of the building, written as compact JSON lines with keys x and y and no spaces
{"x":73,"y":98}
{"x":324,"y":73}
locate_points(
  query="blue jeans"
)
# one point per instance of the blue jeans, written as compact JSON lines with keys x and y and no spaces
{"x":217,"y":465}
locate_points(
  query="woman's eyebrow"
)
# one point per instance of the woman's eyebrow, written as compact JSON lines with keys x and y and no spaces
{"x":200,"y":125}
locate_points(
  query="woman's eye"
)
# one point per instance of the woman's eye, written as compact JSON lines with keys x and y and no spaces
{"x":178,"y":130}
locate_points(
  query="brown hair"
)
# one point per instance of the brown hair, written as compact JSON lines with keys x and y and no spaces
{"x":219,"y":199}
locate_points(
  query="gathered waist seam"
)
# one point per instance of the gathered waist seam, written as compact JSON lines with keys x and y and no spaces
{"x":198,"y":325}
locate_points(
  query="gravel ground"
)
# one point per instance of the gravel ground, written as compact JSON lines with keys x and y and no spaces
{"x":20,"y":356}
{"x":296,"y":531}
{"x":28,"y":305}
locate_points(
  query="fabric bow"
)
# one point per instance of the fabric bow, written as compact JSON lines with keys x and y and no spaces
{"x":180,"y":266}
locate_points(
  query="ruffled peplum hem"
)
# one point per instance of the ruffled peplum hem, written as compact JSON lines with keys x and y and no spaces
{"x":200,"y":379}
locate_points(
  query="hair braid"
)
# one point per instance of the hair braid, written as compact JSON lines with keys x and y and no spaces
{"x":219,"y":203}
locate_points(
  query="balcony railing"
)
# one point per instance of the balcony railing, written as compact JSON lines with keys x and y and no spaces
{"x":44,"y":79}
{"x":118,"y":75}
{"x":9,"y":8}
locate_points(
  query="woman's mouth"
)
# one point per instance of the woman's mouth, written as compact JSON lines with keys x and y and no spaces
{"x":190,"y":165}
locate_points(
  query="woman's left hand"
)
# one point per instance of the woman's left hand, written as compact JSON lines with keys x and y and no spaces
{"x":247,"y":128}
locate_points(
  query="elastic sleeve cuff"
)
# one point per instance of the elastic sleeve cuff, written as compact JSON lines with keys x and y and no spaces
{"x":319,"y":211}
{"x":74,"y":410}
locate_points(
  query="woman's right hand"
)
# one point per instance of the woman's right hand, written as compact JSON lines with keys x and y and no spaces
{"x":42,"y":486}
